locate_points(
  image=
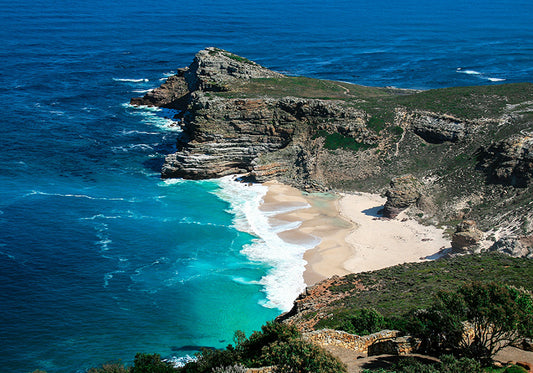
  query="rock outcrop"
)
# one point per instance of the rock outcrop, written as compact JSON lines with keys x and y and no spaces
{"x":519,"y":247}
{"x":212,"y":69}
{"x":467,"y":236}
{"x":224,"y":135}
{"x":404,"y":191}
{"x":510,"y":161}
{"x":173,"y":94}
{"x":438,"y":128}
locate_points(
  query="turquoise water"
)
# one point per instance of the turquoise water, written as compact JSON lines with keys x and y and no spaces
{"x":99,"y":258}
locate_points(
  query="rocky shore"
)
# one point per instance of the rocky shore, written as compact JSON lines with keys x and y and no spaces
{"x":453,"y":154}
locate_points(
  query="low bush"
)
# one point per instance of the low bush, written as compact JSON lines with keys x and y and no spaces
{"x":276,"y":344}
{"x":359,"y":321}
{"x":151,"y":363}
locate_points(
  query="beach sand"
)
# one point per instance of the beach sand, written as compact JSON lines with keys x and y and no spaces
{"x":353,"y":237}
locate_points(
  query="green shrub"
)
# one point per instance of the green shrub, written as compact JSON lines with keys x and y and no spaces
{"x":209,"y":359}
{"x":275,"y":344}
{"x":514,"y":369}
{"x":447,"y":364}
{"x":111,"y":367}
{"x":360,"y":321}
{"x":299,"y":356}
{"x":498,"y":315}
{"x":151,"y":363}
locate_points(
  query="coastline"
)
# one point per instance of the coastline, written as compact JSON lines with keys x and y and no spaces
{"x":346,"y":233}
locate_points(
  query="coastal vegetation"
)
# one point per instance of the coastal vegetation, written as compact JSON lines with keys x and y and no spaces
{"x":462,"y":309}
{"x":467,"y":151}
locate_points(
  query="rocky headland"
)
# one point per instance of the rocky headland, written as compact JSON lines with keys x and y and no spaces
{"x":453,"y":154}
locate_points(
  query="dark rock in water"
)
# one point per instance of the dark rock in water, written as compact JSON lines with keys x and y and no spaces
{"x":404,"y":191}
{"x":519,"y":247}
{"x":510,"y":161}
{"x":467,"y":236}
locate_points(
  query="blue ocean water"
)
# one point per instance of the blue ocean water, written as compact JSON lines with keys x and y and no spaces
{"x":99,"y":258}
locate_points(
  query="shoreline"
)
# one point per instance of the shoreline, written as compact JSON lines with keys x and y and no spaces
{"x":345,"y":233}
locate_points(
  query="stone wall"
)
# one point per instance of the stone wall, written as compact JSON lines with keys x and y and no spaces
{"x":356,"y":343}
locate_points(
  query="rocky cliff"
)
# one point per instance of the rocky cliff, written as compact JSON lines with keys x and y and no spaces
{"x":468,"y":148}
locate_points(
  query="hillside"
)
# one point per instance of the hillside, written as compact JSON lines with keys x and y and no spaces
{"x":395,"y":291}
{"x":468,"y":147}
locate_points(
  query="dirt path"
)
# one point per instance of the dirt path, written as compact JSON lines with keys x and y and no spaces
{"x":357,"y":362}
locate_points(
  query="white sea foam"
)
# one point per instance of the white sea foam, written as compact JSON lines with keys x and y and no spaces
{"x":284,"y":280}
{"x":135,"y":132}
{"x":37,"y":192}
{"x":142,"y":90}
{"x":159,"y":117}
{"x":101,"y":216}
{"x":134,"y":147}
{"x":178,"y":362}
{"x":130,"y":80}
{"x":479,"y":75}
{"x":469,"y":72}
{"x":168,"y":182}
{"x":103,"y":235}
{"x":244,"y":281}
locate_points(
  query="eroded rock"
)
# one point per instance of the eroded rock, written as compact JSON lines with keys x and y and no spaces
{"x":404,"y":191}
{"x":510,"y":161}
{"x":467,"y":236}
{"x":435,"y":128}
{"x":519,"y":247}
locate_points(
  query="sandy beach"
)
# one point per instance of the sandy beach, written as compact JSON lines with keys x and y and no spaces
{"x":352,"y":236}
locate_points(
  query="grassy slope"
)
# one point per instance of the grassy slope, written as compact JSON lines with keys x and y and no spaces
{"x":453,"y":167}
{"x":399,"y":289}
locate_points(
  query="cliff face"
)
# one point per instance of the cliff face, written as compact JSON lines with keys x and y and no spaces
{"x":459,"y":143}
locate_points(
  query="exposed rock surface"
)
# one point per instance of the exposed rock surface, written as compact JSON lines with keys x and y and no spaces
{"x":510,"y":161}
{"x":404,"y":191}
{"x":212,"y":69}
{"x":466,"y":236}
{"x":438,"y":128}
{"x":239,"y":117}
{"x":519,"y":247}
{"x":356,"y":343}
{"x":173,"y":94}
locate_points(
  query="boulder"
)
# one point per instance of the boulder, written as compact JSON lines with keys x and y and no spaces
{"x":519,"y":247}
{"x":404,"y":191}
{"x":467,"y":236}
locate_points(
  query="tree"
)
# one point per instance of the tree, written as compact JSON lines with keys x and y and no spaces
{"x":478,"y":320}
{"x":150,"y":363}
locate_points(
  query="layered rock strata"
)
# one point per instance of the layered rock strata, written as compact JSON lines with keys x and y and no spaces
{"x":241,"y":118}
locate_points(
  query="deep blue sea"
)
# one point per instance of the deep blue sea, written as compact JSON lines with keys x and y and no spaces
{"x":99,"y":258}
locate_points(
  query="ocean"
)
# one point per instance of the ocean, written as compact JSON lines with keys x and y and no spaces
{"x":99,"y":257}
